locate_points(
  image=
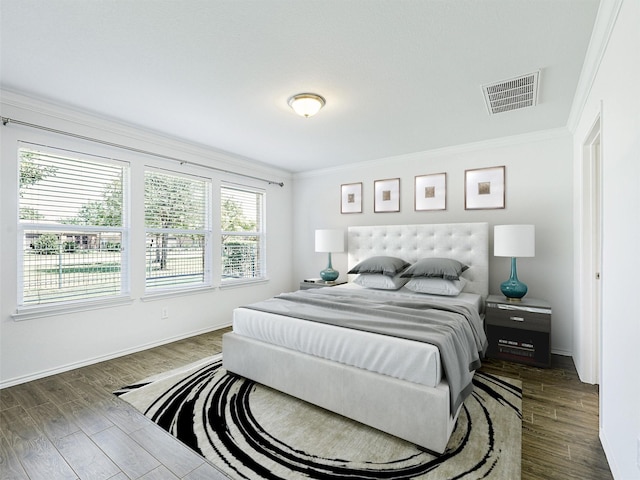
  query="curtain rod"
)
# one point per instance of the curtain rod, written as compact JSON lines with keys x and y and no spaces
{"x":6,"y":120}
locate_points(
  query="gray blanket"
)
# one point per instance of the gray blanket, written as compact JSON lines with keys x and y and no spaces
{"x":455,"y":329}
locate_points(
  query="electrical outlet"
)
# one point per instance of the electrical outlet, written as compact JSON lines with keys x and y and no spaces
{"x":164,"y":313}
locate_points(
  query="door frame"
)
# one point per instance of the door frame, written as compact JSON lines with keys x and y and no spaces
{"x":590,"y":257}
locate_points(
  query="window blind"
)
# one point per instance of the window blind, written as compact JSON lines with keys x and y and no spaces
{"x":72,"y":227}
{"x":177,"y":230}
{"x":242,"y":225}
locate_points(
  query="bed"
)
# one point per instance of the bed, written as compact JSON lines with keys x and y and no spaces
{"x":403,"y":386}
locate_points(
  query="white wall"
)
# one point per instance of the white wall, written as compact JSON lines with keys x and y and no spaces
{"x":538,"y":191}
{"x":37,"y":347}
{"x":616,"y":91}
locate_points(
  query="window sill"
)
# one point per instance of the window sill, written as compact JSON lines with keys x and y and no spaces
{"x":161,"y":295}
{"x":242,"y":283}
{"x":29,"y":313}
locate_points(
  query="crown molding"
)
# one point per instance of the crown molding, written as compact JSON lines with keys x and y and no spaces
{"x":602,"y":29}
{"x":85,"y":123}
{"x":501,"y":142}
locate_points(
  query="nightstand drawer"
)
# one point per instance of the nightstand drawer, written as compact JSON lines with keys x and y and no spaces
{"x":523,"y":346}
{"x":518,"y":318}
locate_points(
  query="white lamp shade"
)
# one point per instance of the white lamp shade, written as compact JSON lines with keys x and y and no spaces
{"x":328,"y":241}
{"x":514,"y":240}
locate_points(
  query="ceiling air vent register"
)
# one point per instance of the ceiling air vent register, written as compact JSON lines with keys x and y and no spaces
{"x":512,"y":94}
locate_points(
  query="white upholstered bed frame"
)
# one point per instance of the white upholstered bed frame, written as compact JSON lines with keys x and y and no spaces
{"x":413,"y":412}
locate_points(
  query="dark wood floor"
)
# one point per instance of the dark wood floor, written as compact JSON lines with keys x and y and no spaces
{"x":71,"y":426}
{"x":559,"y":421}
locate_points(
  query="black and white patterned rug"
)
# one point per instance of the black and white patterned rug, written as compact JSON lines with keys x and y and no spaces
{"x":253,"y":432}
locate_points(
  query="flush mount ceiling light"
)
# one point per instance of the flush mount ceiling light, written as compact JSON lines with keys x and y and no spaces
{"x":306,"y":104}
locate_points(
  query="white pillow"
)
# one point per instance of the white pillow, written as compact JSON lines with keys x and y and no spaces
{"x":436,"y":286}
{"x":380,"y":281}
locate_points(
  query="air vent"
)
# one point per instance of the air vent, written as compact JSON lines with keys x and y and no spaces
{"x":512,"y":94}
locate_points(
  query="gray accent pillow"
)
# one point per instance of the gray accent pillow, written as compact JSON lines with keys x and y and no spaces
{"x":446,"y":268}
{"x":390,"y":266}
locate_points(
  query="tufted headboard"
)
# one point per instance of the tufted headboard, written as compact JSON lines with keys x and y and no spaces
{"x":465,"y":242}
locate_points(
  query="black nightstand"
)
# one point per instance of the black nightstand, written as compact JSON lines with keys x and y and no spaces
{"x":519,"y":331}
{"x":321,"y":284}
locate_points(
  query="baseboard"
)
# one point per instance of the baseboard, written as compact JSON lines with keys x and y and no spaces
{"x":615,"y":471}
{"x":91,"y":361}
{"x":564,"y":353}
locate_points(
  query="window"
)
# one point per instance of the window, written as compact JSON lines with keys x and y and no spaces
{"x":72,"y":227}
{"x":242,"y":228}
{"x":178,"y":233}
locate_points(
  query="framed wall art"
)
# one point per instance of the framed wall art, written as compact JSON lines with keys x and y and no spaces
{"x":386,"y":195}
{"x":484,"y":188}
{"x":351,"y":198}
{"x":430,"y":192}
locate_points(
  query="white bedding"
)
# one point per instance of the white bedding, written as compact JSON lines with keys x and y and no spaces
{"x":409,"y":360}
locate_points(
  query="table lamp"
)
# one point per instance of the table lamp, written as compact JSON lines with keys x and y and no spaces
{"x":329,"y":241}
{"x":514,"y":241}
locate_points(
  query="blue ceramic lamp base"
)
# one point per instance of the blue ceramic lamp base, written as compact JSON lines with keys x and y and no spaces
{"x":513,"y":288}
{"x":329,"y":275}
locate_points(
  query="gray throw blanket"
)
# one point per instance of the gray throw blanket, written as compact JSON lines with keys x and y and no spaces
{"x":456,"y":330}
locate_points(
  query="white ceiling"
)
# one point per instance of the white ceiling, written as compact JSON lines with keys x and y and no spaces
{"x":399,"y":76}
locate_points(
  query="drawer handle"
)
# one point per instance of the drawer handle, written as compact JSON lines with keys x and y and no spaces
{"x":517,"y":319}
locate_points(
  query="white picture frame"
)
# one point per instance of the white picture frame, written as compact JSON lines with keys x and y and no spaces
{"x":484,"y":188}
{"x":430,"y":192}
{"x":386,"y":195}
{"x":351,"y":198}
